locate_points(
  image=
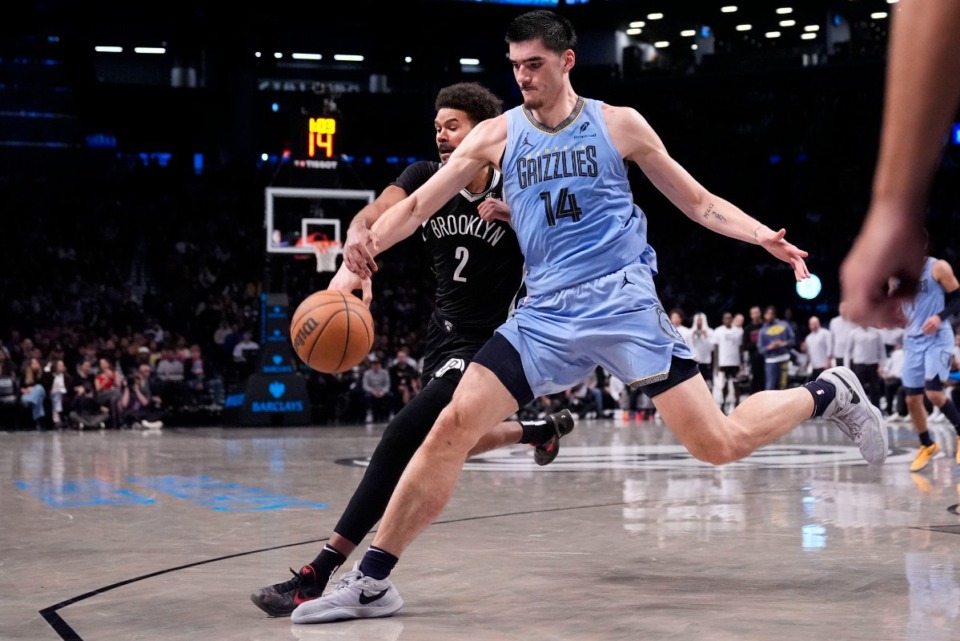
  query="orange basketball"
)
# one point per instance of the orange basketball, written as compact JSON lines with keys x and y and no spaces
{"x":332,"y":331}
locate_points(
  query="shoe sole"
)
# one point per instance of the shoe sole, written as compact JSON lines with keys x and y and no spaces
{"x":343,"y":614}
{"x":267,"y":609}
{"x":884,"y":434}
{"x":545,"y":454}
{"x":852,"y":382}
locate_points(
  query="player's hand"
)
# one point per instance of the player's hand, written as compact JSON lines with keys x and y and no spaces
{"x":492,"y":209}
{"x":931,"y":325}
{"x":888,"y":249}
{"x":346,"y":281}
{"x":359,"y":250}
{"x":775,"y":243}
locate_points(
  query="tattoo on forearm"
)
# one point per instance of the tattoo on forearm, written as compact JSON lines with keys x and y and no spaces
{"x":712,"y":211}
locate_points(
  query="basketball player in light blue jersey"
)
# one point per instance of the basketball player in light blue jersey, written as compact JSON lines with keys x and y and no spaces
{"x":928,"y":350}
{"x":591,"y":298}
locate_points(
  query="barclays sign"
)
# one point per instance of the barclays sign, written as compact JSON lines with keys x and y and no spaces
{"x":277,"y":389}
{"x":276,"y":400}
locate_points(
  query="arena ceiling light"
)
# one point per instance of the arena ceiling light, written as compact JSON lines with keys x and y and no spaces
{"x":661,"y":44}
{"x":634,"y":32}
{"x":808,"y":36}
{"x":744,"y":27}
{"x":108,"y":49}
{"x":812,"y":27}
{"x":688,"y":33}
{"x":784,"y":10}
{"x":728,"y":9}
{"x":306,"y":56}
{"x":654,"y":16}
{"x":788,"y":23}
{"x":469,"y":62}
{"x":150,"y":50}
{"x":637,"y":24}
{"x":809,"y":288}
{"x":347,"y":57}
{"x":878,"y":15}
{"x":772,"y":34}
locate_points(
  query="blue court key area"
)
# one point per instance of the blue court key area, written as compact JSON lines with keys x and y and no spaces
{"x":221,"y":495}
{"x":201,"y":490}
{"x":82,"y":493}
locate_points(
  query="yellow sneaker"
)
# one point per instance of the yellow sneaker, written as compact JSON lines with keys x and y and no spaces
{"x":926,"y":453}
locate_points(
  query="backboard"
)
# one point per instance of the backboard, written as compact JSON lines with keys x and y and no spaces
{"x":295,"y":218}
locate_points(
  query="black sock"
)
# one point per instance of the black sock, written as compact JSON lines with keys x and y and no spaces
{"x":537,"y":432}
{"x":327,"y":562}
{"x":925,"y":439}
{"x":377,"y":564}
{"x":823,"y":394}
{"x":950,"y":411}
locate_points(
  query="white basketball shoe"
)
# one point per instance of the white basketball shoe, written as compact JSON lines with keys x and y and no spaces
{"x":852,"y":412}
{"x":355,"y":597}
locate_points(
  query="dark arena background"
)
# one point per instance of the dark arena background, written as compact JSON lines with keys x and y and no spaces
{"x":166,"y":172}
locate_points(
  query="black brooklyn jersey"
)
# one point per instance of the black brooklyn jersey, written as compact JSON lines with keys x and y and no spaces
{"x":478,"y":265}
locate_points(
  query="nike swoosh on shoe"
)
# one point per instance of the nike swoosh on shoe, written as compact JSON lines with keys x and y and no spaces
{"x":855,"y":398}
{"x":365,"y":600}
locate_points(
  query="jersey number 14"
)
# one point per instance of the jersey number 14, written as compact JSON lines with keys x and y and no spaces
{"x":566,"y":206}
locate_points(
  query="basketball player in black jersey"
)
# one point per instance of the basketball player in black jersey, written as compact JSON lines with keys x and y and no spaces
{"x":479,"y":272}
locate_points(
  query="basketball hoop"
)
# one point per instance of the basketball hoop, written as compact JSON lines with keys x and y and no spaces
{"x":325,"y":251}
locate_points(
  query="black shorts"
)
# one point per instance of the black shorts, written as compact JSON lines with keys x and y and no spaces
{"x":446,"y":342}
{"x":730,"y":371}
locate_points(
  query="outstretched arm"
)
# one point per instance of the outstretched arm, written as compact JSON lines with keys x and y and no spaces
{"x":475,"y":152}
{"x":355,"y":249}
{"x":640,"y":143}
{"x":920,"y":99}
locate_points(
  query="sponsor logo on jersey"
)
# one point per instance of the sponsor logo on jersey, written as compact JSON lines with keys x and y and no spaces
{"x":585,"y":132}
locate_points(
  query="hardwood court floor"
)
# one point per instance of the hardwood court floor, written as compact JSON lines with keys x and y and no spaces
{"x":110,"y":536}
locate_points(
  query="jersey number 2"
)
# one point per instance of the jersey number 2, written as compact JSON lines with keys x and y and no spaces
{"x":463,"y":255}
{"x":566,"y":207}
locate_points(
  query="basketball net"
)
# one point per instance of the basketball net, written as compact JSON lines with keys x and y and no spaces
{"x":326,"y":259}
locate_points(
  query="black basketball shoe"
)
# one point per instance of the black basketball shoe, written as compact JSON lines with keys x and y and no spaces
{"x":281,"y":599}
{"x":562,"y":422}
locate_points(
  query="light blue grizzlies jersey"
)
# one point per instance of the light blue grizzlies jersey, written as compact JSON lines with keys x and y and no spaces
{"x":570,"y":200}
{"x":928,"y":301}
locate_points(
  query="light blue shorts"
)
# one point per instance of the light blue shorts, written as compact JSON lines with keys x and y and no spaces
{"x":615,"y":321}
{"x":926,"y":357}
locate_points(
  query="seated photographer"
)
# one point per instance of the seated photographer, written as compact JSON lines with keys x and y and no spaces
{"x":138,"y":406}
